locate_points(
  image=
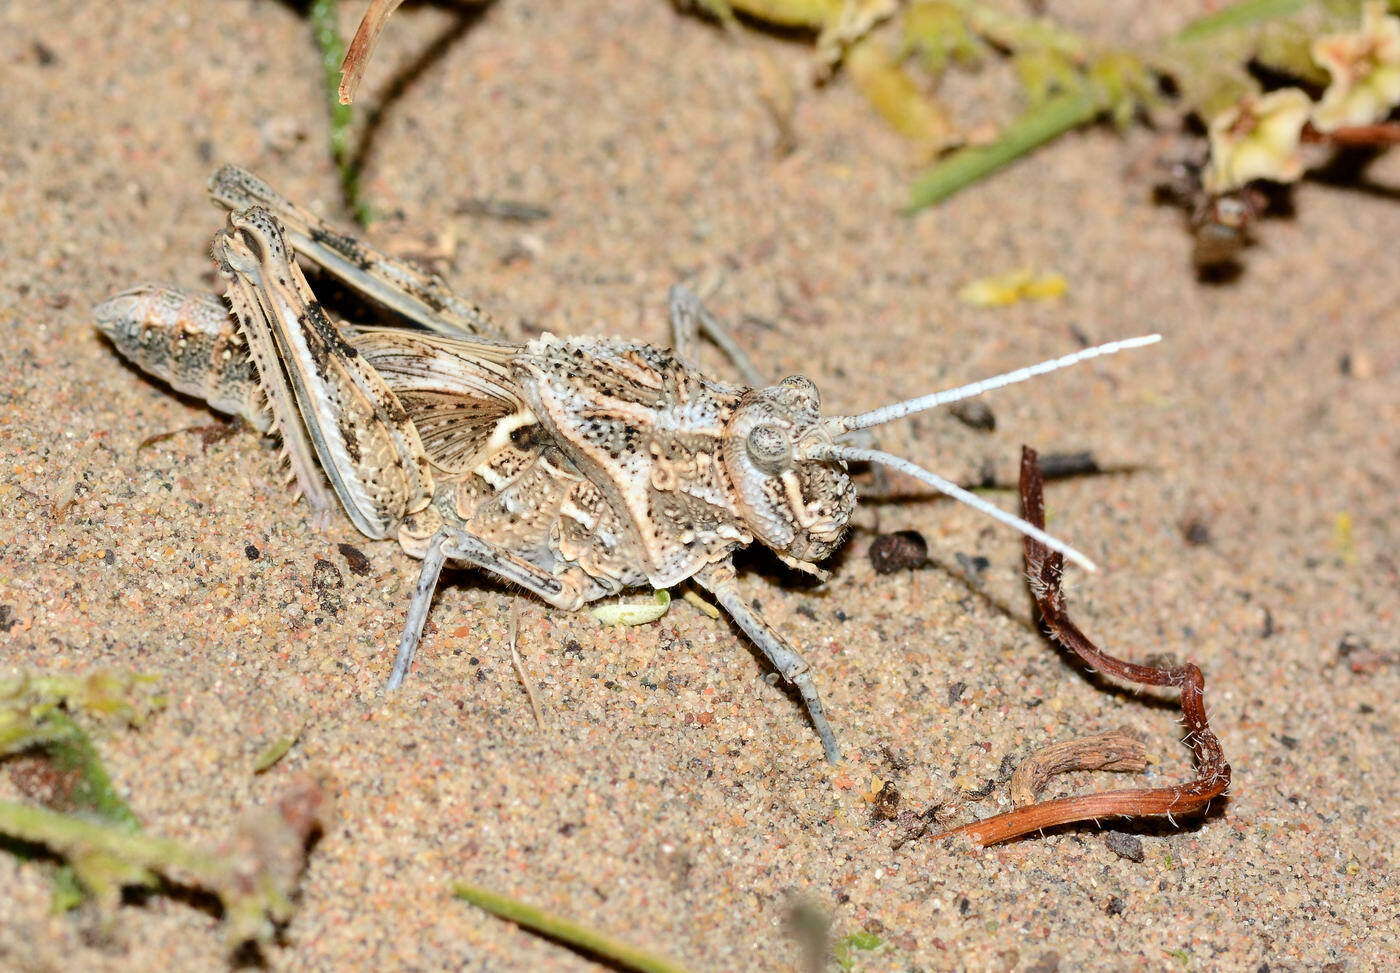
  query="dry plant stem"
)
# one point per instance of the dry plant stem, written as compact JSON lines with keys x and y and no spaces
{"x":1382,"y":133}
{"x":1044,"y":569}
{"x":520,"y":667}
{"x":352,"y":69}
{"x":1118,"y":750}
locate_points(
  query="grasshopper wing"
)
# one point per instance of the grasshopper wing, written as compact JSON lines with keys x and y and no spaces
{"x":459,"y":394}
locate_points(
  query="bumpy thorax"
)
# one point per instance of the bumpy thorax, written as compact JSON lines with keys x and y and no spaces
{"x":648,"y":434}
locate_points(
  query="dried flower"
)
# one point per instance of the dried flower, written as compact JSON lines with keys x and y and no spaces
{"x":1365,"y":70}
{"x":1258,"y":139}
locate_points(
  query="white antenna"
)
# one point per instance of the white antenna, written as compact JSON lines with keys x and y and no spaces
{"x":836,"y":425}
{"x":829,"y":451}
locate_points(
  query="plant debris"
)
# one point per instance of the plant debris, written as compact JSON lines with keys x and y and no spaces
{"x":1118,"y":750}
{"x":1013,"y":287}
{"x":84,"y":820}
{"x":275,"y":751}
{"x":253,"y":873}
{"x":1045,"y":570}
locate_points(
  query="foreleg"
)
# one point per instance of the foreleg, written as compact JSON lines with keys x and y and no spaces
{"x":719,"y":580}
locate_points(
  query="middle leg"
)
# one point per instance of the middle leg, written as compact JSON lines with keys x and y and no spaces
{"x":690,"y":319}
{"x":458,"y":544}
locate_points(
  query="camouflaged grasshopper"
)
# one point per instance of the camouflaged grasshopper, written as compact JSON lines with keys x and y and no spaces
{"x":573,"y":467}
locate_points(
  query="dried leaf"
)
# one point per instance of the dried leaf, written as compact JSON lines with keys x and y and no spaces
{"x":1014,"y":287}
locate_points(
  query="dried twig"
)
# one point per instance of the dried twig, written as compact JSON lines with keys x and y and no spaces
{"x":352,"y":69}
{"x":520,"y":668}
{"x":1118,"y":750}
{"x":1212,"y":771}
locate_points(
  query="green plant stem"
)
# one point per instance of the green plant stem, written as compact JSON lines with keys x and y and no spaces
{"x":564,"y":930}
{"x":67,"y":834}
{"x":325,"y":26}
{"x":1243,"y":14}
{"x":1029,"y":131}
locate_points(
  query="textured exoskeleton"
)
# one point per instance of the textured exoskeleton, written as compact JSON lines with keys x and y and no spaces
{"x":574,"y":467}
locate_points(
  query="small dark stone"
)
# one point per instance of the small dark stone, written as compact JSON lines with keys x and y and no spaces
{"x":840,"y":615}
{"x":7,"y":618}
{"x":806,"y":610}
{"x":973,"y":565}
{"x":955,"y":692}
{"x":974,"y":414}
{"x":1289,"y":742}
{"x":964,"y":906}
{"x":571,"y":647}
{"x":251,"y":552}
{"x":1116,"y":906}
{"x":44,"y":55}
{"x":886,"y":806}
{"x":1349,"y":644}
{"x":1195,"y":531}
{"x":898,"y":551}
{"x":1127,"y":846}
{"x":355,"y":559}
{"x":109,"y":556}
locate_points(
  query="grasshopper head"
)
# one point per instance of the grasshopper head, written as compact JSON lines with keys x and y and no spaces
{"x":796,"y":505}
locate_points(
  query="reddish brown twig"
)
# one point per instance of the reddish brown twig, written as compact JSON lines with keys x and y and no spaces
{"x":352,"y":69}
{"x":1382,"y":133}
{"x":1044,"y":570}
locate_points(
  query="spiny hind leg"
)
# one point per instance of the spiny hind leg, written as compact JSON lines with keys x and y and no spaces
{"x":421,"y":297}
{"x":458,"y":544}
{"x":718,"y":579}
{"x":690,"y":319}
{"x":330,"y":405}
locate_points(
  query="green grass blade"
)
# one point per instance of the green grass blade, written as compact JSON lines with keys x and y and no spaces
{"x":1031,"y":130}
{"x":547,"y":924}
{"x":1243,"y":14}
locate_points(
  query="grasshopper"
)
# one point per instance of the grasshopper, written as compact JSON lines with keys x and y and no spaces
{"x":573,"y":467}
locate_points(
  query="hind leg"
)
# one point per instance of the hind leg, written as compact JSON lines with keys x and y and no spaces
{"x":421,"y":297}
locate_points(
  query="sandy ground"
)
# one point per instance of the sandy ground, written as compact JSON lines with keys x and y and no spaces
{"x":673,"y":796}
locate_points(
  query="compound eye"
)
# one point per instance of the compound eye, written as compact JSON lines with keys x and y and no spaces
{"x":769,"y":447}
{"x":806,"y":387}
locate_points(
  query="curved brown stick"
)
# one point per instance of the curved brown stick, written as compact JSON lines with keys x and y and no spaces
{"x":1044,"y":569}
{"x":352,"y":69}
